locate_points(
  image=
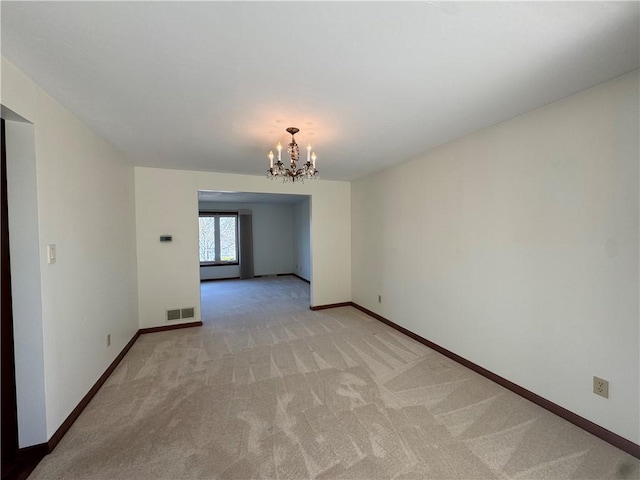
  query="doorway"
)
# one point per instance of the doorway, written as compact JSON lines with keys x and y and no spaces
{"x":279,"y":243}
{"x":24,"y":433}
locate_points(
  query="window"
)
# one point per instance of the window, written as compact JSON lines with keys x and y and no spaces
{"x":218,"y":238}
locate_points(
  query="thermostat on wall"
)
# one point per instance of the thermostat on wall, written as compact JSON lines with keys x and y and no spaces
{"x":165,"y":238}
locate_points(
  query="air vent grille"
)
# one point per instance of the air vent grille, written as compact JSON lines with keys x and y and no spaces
{"x":178,"y":313}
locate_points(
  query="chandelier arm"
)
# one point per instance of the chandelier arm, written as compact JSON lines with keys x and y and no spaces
{"x":292,"y":173}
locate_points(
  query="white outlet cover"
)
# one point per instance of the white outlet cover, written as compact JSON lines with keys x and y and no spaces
{"x":601,"y":387}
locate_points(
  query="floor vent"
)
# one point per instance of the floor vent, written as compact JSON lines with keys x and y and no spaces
{"x":188,"y":312}
{"x":173,"y":314}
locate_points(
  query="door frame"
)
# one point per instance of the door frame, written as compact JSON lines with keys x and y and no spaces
{"x":8,"y":381}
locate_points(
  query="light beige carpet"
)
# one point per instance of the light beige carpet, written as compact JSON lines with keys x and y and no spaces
{"x":269,"y":389}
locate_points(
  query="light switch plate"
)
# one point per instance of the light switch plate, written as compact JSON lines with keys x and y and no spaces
{"x":51,"y":253}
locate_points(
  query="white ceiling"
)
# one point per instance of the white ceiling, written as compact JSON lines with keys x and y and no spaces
{"x":213,"y":85}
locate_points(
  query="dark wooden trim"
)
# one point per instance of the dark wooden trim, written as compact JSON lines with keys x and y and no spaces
{"x":33,"y":453}
{"x":267,"y":275}
{"x":331,"y":305}
{"x":20,"y":470}
{"x":211,"y":264}
{"x":213,"y":213}
{"x":164,"y":328}
{"x":55,"y":439}
{"x":608,"y":436}
{"x":301,"y":278}
{"x":259,"y":276}
{"x":218,"y":279}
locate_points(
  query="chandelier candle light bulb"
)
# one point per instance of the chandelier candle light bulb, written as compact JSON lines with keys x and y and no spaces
{"x":292,"y":172}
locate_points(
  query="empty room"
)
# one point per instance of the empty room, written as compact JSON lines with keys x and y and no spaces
{"x":320,"y":240}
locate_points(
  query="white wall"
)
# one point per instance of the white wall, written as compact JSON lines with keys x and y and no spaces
{"x":85,"y":205}
{"x":168,"y":274}
{"x":219,"y":272}
{"x":301,"y":239}
{"x":273,"y":250}
{"x":272,"y":239}
{"x":517,"y":248}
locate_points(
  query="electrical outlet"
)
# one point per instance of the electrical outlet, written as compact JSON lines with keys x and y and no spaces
{"x":108,"y":339}
{"x":379,"y":298}
{"x":601,"y":387}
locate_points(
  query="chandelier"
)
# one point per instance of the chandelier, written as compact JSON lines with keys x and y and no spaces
{"x":292,"y":172}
